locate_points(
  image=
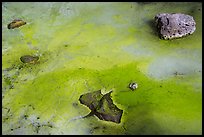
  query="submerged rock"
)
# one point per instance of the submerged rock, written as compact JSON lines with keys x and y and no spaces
{"x":29,"y":59}
{"x":16,"y":24}
{"x":101,"y":106}
{"x":174,"y":25}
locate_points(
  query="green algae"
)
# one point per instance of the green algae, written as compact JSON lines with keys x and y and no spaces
{"x":83,"y":51}
{"x":47,"y":98}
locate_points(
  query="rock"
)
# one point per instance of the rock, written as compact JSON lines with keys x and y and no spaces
{"x":16,"y":24}
{"x":133,"y":86}
{"x":174,"y":25}
{"x":29,"y":59}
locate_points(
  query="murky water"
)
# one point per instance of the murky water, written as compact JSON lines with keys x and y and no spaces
{"x":84,"y":47}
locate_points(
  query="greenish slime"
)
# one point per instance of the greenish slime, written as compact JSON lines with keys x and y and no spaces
{"x":82,"y":51}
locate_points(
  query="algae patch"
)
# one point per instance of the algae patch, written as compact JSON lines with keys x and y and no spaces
{"x":60,"y":100}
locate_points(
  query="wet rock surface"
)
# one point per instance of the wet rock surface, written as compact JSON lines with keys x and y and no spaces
{"x":16,"y":24}
{"x":102,"y":106}
{"x":174,"y":25}
{"x":29,"y":59}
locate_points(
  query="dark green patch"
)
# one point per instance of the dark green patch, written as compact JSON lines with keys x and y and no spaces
{"x":91,"y":100}
{"x":101,"y":106}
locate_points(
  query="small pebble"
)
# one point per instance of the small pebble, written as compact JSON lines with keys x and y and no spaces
{"x":16,"y":23}
{"x":133,"y":86}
